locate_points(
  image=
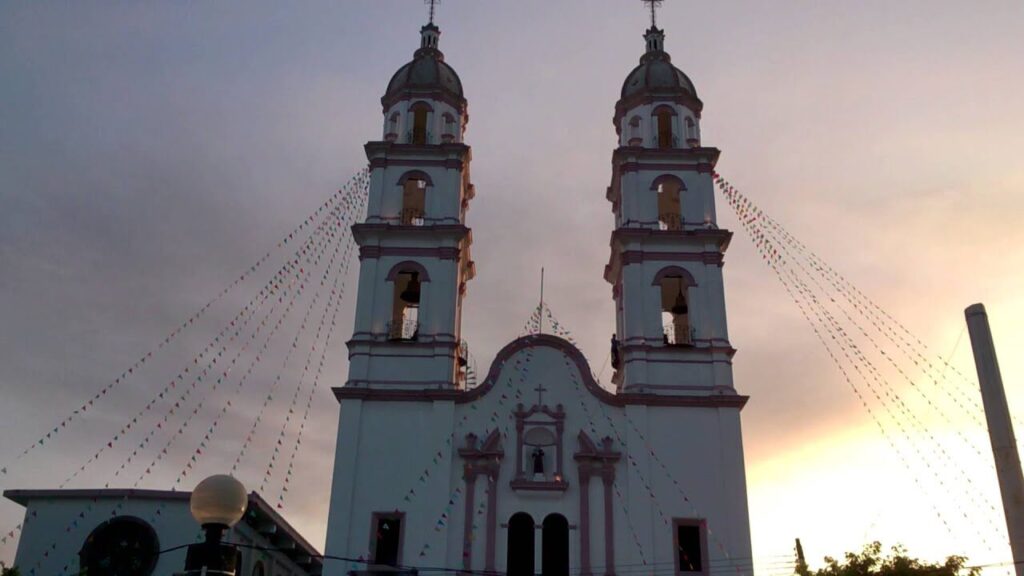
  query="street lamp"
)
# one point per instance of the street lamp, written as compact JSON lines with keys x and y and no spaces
{"x":217,"y":504}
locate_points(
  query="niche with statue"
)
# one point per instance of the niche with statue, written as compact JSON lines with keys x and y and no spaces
{"x":539,"y":461}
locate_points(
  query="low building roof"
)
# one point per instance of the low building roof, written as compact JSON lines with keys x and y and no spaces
{"x":256,"y":516}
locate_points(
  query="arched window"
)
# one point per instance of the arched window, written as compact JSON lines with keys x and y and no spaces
{"x":635,"y":131}
{"x":555,"y":546}
{"x":674,"y":285}
{"x":666,"y":137}
{"x":450,"y":127}
{"x":670,"y":208}
{"x":408,"y":278}
{"x":392,"y":129}
{"x":420,"y":116}
{"x":520,"y":545}
{"x":121,"y":545}
{"x":414,"y":201}
{"x":258,"y":569}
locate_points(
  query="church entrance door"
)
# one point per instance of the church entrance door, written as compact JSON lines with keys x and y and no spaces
{"x":520,"y":545}
{"x":555,"y":550}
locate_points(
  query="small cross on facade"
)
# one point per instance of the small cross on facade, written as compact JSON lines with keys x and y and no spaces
{"x":653,"y":4}
{"x":540,"y":394}
{"x":433,"y":6}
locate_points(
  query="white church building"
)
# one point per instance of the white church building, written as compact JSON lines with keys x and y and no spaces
{"x":539,"y":469}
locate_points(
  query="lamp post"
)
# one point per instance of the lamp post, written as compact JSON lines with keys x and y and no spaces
{"x":217,"y":504}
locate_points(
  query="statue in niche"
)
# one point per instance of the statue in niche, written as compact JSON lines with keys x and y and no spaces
{"x":538,"y":462}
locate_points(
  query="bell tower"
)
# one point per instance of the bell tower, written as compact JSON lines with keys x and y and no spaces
{"x":666,"y":250}
{"x":414,"y":246}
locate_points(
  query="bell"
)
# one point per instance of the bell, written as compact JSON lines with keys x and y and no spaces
{"x":680,"y":307}
{"x":411,"y":294}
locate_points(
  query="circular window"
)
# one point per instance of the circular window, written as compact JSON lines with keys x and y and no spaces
{"x":122,"y":546}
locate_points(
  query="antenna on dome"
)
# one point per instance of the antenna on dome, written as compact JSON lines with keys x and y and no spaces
{"x":540,"y":326}
{"x":433,"y":8}
{"x":653,"y":4}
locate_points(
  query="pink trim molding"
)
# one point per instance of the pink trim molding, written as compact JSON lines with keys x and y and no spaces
{"x":442,"y":253}
{"x":415,"y":175}
{"x":673,"y":271}
{"x":537,"y":341}
{"x":668,"y":178}
{"x":408,"y":266}
{"x":636,"y":257}
{"x":593,"y":461}
{"x":486,"y":460}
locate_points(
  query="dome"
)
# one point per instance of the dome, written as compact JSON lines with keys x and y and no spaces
{"x":657,"y":75}
{"x":427,"y":72}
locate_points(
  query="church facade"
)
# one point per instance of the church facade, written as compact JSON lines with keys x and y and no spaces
{"x":539,"y":469}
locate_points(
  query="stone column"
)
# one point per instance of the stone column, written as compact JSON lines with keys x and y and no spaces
{"x":467,"y":530}
{"x":559,"y":429}
{"x":608,"y":476}
{"x":584,"y":474}
{"x":492,"y":518}
{"x":519,"y":445}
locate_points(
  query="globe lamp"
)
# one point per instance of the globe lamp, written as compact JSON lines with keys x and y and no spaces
{"x":217,"y":504}
{"x":219,"y":500}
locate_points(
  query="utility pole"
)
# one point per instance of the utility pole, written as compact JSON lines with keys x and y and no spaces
{"x":1000,"y":430}
{"x":801,"y":562}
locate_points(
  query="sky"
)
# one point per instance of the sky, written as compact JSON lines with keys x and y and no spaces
{"x":150,"y":152}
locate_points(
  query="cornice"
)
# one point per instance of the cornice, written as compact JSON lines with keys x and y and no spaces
{"x":637,"y":158}
{"x":453,"y":155}
{"x":540,"y":341}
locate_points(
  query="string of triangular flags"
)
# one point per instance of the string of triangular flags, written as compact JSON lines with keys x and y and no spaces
{"x":360,"y":179}
{"x":825,"y":328}
{"x":304,"y":270}
{"x":908,"y":422}
{"x":284,"y":366}
{"x":290,"y":469}
{"x":203,"y":444}
{"x":896,"y":332}
{"x":191,"y":320}
{"x":178,"y":380}
{"x":261,"y":353}
{"x":336,"y":292}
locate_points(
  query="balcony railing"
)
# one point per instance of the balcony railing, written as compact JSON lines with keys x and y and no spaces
{"x":670,"y":221}
{"x":412,"y":137}
{"x":412,"y":217}
{"x":466,"y":366}
{"x":403,"y":331}
{"x":678,"y":335}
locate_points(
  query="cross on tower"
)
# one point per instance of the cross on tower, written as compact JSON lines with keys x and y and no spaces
{"x":654,"y":11}
{"x":433,"y":6}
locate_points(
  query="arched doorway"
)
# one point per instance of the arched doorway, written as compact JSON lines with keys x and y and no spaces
{"x":555,"y":547}
{"x":520,"y":545}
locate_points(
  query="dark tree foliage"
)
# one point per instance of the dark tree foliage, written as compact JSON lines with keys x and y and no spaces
{"x":871,"y":562}
{"x":5,"y":571}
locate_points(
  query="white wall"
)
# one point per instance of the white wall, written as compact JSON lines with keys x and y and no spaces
{"x":54,"y":534}
{"x":383,"y":447}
